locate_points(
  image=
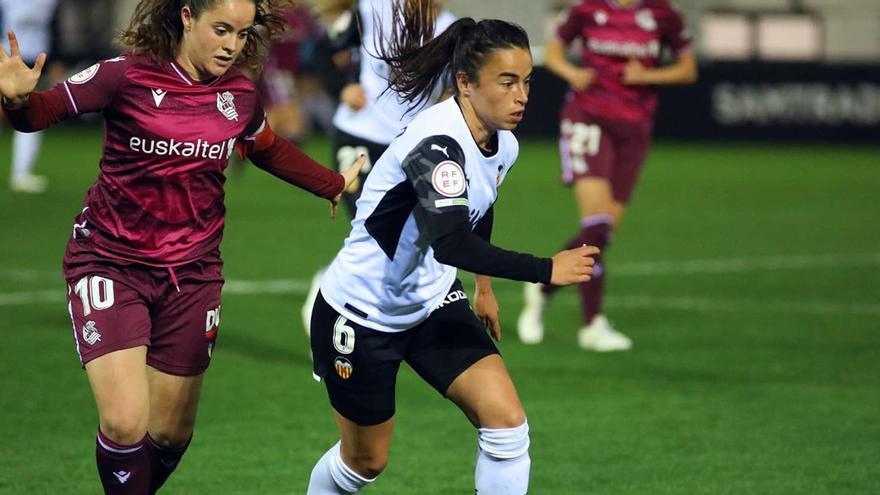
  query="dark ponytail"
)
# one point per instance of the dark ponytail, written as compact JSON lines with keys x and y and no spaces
{"x":419,"y":63}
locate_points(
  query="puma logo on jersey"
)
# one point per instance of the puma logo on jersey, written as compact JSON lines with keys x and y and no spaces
{"x":158,"y":96}
{"x":439,"y":148}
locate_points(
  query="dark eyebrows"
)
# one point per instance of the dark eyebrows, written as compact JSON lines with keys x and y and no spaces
{"x":513,"y":76}
{"x":228,"y":27}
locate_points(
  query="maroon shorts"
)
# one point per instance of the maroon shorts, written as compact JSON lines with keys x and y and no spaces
{"x":175,"y":312}
{"x":591,"y":146}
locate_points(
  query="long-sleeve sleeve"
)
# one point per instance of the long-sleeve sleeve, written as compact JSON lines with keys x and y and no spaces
{"x":41,"y":110}
{"x":446,"y":221}
{"x":287,"y":162}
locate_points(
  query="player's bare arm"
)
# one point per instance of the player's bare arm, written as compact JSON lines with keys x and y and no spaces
{"x":486,"y":306}
{"x":579,"y":78}
{"x":682,"y":71}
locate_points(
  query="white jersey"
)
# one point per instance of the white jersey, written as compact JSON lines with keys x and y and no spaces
{"x":32,"y":21}
{"x":433,"y":181}
{"x":384,"y":115}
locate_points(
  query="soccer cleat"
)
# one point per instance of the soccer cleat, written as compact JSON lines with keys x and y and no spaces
{"x":28,"y":183}
{"x":530,"y":325}
{"x":600,"y":336}
{"x":310,"y":301}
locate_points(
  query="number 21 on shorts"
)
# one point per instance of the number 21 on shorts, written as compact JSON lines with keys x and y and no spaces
{"x":95,"y":293}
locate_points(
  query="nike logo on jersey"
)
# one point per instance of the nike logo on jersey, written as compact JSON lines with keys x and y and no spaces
{"x":122,"y":476}
{"x":158,"y":96}
{"x":442,"y":149}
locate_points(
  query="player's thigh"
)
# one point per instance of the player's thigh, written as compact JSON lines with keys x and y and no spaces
{"x":119,"y":383}
{"x":633,"y":141}
{"x":108,"y":309}
{"x":174,"y":402}
{"x":585,"y":146}
{"x":364,"y":448}
{"x":487,"y":396}
{"x":186,"y":323}
{"x":451,"y":341}
{"x":594,"y":197}
{"x":358,"y":365}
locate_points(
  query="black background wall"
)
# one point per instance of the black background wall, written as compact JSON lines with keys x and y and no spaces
{"x":748,"y":101}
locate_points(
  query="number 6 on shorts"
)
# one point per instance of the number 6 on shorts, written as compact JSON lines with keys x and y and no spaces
{"x":343,"y":336}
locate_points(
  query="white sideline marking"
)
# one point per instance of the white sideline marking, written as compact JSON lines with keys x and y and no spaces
{"x":736,"y":305}
{"x":300,"y":287}
{"x":33,"y":297}
{"x":792,"y":262}
{"x":248,"y":287}
{"x":620,"y":269}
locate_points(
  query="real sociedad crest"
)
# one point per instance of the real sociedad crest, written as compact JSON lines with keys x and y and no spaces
{"x":226,"y":105}
{"x":90,"y":333}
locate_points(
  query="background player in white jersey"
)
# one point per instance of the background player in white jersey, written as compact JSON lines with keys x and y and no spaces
{"x":391,"y":294}
{"x":31,"y":20}
{"x":368,"y":117}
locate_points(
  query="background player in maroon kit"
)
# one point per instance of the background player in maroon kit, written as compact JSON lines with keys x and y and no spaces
{"x":606,"y":129}
{"x":143,"y":264}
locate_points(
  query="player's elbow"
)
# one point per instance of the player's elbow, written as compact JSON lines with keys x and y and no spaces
{"x":448,"y":251}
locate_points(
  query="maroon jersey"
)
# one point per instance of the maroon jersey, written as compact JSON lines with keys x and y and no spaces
{"x":612,"y":35}
{"x":159,"y":197}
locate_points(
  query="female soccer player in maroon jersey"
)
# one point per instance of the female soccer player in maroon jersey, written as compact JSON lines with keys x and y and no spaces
{"x":143,"y":264}
{"x":606,"y":125}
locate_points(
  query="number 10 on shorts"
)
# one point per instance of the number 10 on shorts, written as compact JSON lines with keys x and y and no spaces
{"x":95,"y":293}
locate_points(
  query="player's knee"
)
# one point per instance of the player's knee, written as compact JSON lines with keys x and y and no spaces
{"x":124,"y":429}
{"x":503,"y":417}
{"x":174,"y":432}
{"x":505,"y":443}
{"x":367,"y":463}
{"x":172,"y":439}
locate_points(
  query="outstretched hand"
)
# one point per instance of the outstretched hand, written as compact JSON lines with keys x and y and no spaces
{"x":573,"y":265}
{"x":17,"y":80}
{"x":351,"y":175}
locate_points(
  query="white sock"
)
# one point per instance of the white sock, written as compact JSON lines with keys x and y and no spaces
{"x":25,"y":146}
{"x":503,"y":461}
{"x":331,"y":476}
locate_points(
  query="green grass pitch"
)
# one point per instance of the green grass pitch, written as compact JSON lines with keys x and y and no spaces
{"x":747,"y":275}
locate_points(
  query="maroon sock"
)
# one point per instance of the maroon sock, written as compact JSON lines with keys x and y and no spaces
{"x":164,"y":460}
{"x":596,"y":231}
{"x":124,"y":469}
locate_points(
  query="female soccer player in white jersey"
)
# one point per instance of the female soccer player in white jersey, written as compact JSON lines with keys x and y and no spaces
{"x":391,"y":294}
{"x":368,"y":117}
{"x":143,"y":264}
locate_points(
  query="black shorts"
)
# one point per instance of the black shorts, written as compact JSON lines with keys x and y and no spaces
{"x":359,"y":365}
{"x":346,"y":150}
